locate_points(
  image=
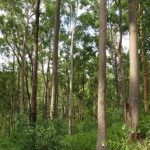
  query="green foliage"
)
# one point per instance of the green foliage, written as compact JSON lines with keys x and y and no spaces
{"x":52,"y":135}
{"x":85,"y":126}
{"x":44,"y":136}
{"x":7,"y":144}
{"x":119,"y":137}
{"x":81,"y":141}
{"x":144,"y":124}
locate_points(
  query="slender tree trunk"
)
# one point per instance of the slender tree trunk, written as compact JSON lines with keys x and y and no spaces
{"x":73,"y":27}
{"x":63,"y":104}
{"x":114,"y":56}
{"x":144,"y":60}
{"x":35,"y":64}
{"x":67,"y":89}
{"x":101,"y":138}
{"x":18,"y":86}
{"x":70,"y":86}
{"x":21,"y":90}
{"x":46,"y":91}
{"x":49,"y":90}
{"x":27,"y":89}
{"x":133,"y":57}
{"x":145,"y":80}
{"x":83,"y":91}
{"x":120,"y":52}
{"x":117,"y":82}
{"x":47,"y":84}
{"x":54,"y":96}
{"x":22,"y":82}
{"x":12,"y":95}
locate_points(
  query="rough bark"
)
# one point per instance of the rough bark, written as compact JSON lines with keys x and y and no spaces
{"x":35,"y":64}
{"x":127,"y":114}
{"x":54,"y":96}
{"x":101,"y":138}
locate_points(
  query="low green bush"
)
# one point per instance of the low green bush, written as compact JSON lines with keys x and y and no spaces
{"x":44,"y":136}
{"x":6,"y":143}
{"x":53,"y":135}
{"x":80,"y":141}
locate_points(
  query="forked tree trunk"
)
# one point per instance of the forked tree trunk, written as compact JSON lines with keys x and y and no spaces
{"x":101,"y":137}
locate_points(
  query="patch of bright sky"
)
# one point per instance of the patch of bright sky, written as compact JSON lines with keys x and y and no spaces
{"x":1,"y":36}
{"x":125,"y":42}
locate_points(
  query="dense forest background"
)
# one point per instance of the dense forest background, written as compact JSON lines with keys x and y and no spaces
{"x":54,"y":61}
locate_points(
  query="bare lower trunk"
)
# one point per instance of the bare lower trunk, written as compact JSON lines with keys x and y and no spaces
{"x":22,"y":83}
{"x":101,"y":137}
{"x":120,"y":52}
{"x":70,"y":87}
{"x":117,"y":82}
{"x":144,"y":62}
{"x":145,"y":78}
{"x":133,"y":57}
{"x":28,"y":91}
{"x":54,"y":96}
{"x":47,"y":92}
{"x":35,"y":65}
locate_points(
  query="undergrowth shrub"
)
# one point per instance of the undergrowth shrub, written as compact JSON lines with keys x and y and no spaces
{"x":53,"y":135}
{"x":6,"y":143}
{"x":44,"y":136}
{"x":81,"y":141}
{"x":85,"y":126}
{"x":119,"y":138}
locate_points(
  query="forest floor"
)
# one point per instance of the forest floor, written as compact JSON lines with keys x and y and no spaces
{"x":53,"y":136}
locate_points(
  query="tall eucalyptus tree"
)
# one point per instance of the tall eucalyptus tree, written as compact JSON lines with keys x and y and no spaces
{"x":134,"y":71}
{"x":35,"y":63}
{"x":101,"y":137}
{"x":54,"y":94}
